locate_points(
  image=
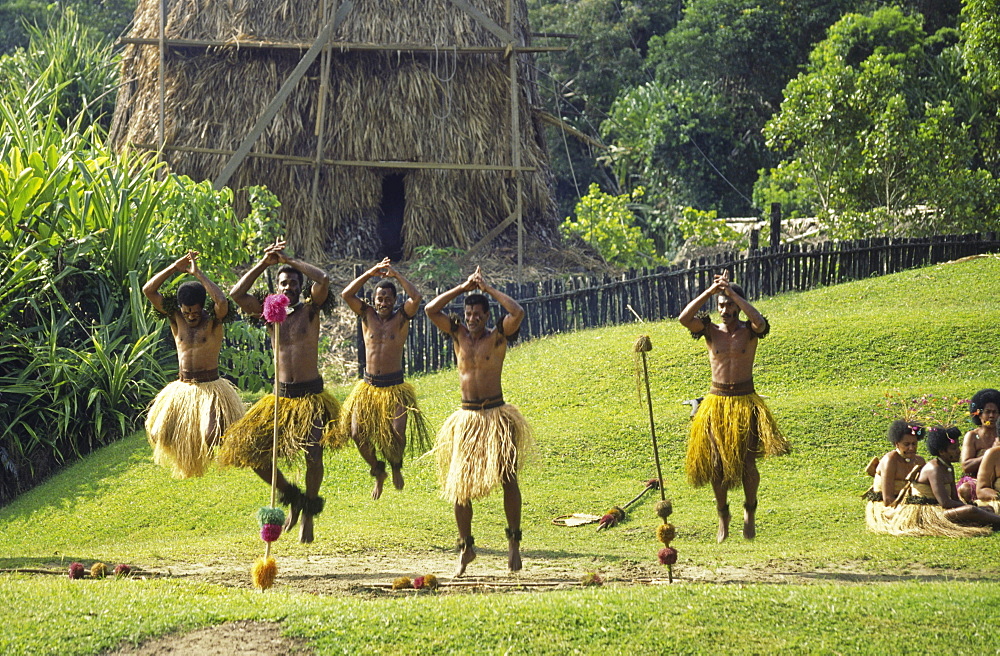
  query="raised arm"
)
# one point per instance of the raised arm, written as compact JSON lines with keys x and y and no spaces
{"x":688,"y":316}
{"x":152,"y":287}
{"x":435,"y":307}
{"x":413,"y":295}
{"x":240,"y":291}
{"x":756,"y":319}
{"x":350,"y":293}
{"x":515,"y":313}
{"x":320,"y":289}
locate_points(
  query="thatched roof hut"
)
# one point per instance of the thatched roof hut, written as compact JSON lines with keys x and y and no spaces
{"x":405,"y":84}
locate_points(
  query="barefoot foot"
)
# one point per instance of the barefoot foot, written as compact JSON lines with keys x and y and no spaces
{"x":514,"y":556}
{"x":466,"y":555}
{"x":724,"y":518}
{"x":379,"y":480}
{"x":749,"y":522}
{"x":306,"y":530}
{"x":397,"y":478}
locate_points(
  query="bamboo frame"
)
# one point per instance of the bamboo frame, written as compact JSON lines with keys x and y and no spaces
{"x":297,"y":160}
{"x":343,"y":46}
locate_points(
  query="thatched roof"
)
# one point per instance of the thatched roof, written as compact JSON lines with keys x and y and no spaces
{"x":398,"y":106}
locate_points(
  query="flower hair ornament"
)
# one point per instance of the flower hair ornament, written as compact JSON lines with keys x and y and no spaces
{"x":917,"y":431}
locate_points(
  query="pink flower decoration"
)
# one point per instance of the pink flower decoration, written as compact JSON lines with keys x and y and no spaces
{"x":274,"y":308}
{"x":668,"y":556}
{"x":270,"y":532}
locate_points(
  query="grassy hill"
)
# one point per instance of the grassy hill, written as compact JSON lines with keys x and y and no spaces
{"x":832,"y":356}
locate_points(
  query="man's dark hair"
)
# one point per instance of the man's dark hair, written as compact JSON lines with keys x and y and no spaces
{"x":288,"y":268}
{"x":979,"y":400}
{"x":940,"y":438}
{"x":901,"y":428}
{"x":478,"y":299}
{"x":191,"y":293}
{"x":386,"y":284}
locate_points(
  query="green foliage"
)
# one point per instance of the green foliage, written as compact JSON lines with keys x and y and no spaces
{"x":866,"y":147}
{"x":981,"y":41}
{"x":69,"y":63}
{"x":706,"y":229}
{"x":19,"y":19}
{"x":246,"y":356}
{"x":607,"y":223}
{"x":437,"y":265}
{"x":202,"y":219}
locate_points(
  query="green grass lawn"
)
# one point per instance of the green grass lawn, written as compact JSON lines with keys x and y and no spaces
{"x":832,"y":356}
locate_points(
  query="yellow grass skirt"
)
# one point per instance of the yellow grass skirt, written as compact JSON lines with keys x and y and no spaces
{"x":479,"y":449}
{"x":248,"y":442}
{"x":374,"y":410}
{"x":720,"y":438}
{"x":917,"y":519}
{"x":879,"y":517}
{"x":180,"y":426}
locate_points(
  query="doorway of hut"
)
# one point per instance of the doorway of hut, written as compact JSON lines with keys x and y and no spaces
{"x":390,"y":216}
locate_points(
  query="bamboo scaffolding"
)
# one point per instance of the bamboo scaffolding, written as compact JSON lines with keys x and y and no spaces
{"x":342,"y":46}
{"x":297,"y":160}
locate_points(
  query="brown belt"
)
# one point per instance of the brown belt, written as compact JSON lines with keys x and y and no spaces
{"x":384,"y":380}
{"x":206,"y":376}
{"x":732,"y":389}
{"x":483,"y":404}
{"x":298,"y":390}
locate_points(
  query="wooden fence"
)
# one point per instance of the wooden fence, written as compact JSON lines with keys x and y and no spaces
{"x":580,"y":302}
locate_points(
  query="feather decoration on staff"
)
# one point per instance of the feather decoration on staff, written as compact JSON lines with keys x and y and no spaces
{"x":271,"y":518}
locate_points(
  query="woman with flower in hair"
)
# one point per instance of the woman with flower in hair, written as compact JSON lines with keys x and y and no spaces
{"x":891,"y":472}
{"x":934,"y":507}
{"x":984,"y":409}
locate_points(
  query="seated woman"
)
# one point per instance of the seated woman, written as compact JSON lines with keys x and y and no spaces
{"x":984,"y":409}
{"x":988,"y":482}
{"x":935,"y":508}
{"x":890,"y":473}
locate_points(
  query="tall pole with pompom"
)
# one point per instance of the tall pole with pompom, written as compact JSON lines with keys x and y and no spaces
{"x":666,"y":531}
{"x":271,"y":518}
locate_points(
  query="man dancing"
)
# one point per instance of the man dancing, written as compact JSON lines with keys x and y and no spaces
{"x":482,"y":444}
{"x":732,"y":426}
{"x":188,"y":416}
{"x":375,"y":412}
{"x":307,"y":414}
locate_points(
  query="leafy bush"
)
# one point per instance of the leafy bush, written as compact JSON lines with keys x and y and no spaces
{"x":705,"y":229}
{"x":607,"y":223}
{"x":437,"y":265}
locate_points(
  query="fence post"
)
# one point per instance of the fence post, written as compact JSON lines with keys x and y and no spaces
{"x":775,"y":224}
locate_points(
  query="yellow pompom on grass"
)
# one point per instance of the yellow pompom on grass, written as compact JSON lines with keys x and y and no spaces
{"x":664,"y":508}
{"x":402,"y":583}
{"x":98,"y":570}
{"x":264,"y":571}
{"x":431,"y":582}
{"x":665,"y":533}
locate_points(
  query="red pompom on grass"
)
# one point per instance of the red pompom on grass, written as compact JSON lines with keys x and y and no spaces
{"x":668,"y":556}
{"x":76,"y":570}
{"x":122,"y":570}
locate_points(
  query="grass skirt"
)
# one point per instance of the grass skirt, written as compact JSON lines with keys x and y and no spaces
{"x":179,"y":424}
{"x":480,"y":449}
{"x":249,"y":441}
{"x":879,"y":517}
{"x":374,"y":409}
{"x":720,"y":438}
{"x":918,"y":519}
{"x":990,"y":505}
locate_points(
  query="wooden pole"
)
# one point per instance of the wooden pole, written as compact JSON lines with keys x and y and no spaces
{"x":161,"y":132}
{"x":324,"y":87}
{"x":274,"y":441}
{"x":279,"y":98}
{"x":515,"y":142}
